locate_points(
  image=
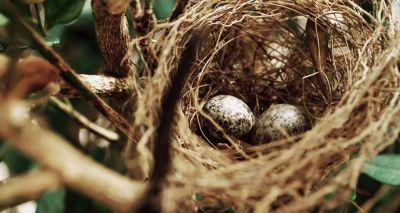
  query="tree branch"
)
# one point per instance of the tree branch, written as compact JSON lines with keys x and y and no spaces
{"x":27,"y":187}
{"x":69,"y":75}
{"x":104,"y":86}
{"x":113,"y":39}
{"x":77,"y":170}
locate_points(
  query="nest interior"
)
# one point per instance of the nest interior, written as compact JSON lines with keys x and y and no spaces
{"x":259,"y":52}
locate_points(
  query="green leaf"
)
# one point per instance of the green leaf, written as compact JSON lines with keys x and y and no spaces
{"x":51,"y":41}
{"x":198,"y":197}
{"x":78,"y":203}
{"x":384,"y":168}
{"x":353,"y":196}
{"x":16,"y":161}
{"x":51,"y":202}
{"x":163,"y":8}
{"x":3,"y":20}
{"x":62,"y":11}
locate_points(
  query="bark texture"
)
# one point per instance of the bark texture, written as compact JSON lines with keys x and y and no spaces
{"x":113,"y":39}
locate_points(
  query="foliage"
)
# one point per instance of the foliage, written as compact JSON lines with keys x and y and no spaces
{"x":163,"y":8}
{"x":62,"y":11}
{"x":16,"y":161}
{"x":384,"y":168}
{"x":3,"y":20}
{"x":51,"y":202}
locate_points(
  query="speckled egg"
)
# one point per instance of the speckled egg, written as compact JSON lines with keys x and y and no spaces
{"x":231,"y":113}
{"x":276,"y":118}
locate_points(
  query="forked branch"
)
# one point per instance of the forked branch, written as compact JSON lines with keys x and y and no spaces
{"x":68,"y":74}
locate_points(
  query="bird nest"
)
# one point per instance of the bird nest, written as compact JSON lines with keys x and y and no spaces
{"x":340,"y":69}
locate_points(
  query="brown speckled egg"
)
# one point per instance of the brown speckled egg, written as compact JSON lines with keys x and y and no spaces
{"x":276,"y":118}
{"x":231,"y":113}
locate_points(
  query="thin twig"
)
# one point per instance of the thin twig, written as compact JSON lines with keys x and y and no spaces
{"x":69,"y":75}
{"x":368,"y":205}
{"x":27,"y":187}
{"x":94,"y":128}
{"x":144,"y":21}
{"x":317,"y":42}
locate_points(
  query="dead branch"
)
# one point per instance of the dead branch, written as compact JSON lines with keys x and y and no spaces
{"x":78,"y":171}
{"x":27,"y":187}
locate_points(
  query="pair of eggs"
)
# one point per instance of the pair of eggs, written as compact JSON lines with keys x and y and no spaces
{"x":237,"y":120}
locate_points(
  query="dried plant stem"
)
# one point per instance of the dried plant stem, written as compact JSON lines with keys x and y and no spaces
{"x":27,"y":187}
{"x":317,"y":42}
{"x":85,"y":122}
{"x":367,"y":206}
